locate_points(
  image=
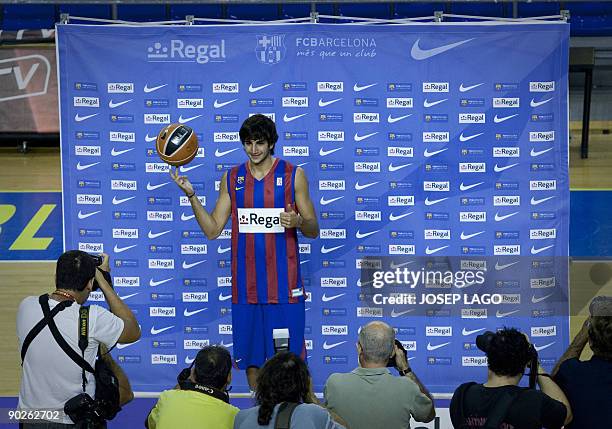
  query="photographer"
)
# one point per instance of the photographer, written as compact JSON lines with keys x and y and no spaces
{"x":369,"y":396}
{"x":51,"y":377}
{"x":500,"y":402}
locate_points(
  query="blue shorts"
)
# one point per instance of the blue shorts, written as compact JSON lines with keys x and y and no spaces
{"x":252,"y":325}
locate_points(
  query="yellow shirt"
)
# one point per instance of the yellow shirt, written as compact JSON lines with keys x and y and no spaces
{"x":192,"y":410}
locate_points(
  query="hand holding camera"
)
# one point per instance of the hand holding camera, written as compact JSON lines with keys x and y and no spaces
{"x":399,"y":359}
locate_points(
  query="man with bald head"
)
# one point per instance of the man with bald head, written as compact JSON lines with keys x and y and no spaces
{"x":369,"y":396}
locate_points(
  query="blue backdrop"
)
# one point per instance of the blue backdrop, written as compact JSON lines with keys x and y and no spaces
{"x":437,"y":139}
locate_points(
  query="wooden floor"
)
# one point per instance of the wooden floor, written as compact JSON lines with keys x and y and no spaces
{"x":39,"y":170}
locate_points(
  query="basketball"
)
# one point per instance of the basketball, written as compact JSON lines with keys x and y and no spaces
{"x":177,"y":144}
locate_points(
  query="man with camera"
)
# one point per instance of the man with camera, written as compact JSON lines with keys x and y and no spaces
{"x":500,"y":402}
{"x":369,"y":396}
{"x":55,"y":332}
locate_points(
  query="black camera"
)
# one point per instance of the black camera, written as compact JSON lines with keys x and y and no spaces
{"x":391,"y":362}
{"x":97,"y":259}
{"x":84,"y":412}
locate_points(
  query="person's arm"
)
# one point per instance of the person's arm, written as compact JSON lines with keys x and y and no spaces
{"x":211,"y":224}
{"x":575,"y":348}
{"x":401,"y":363}
{"x":548,"y":386}
{"x":131,"y":329}
{"x":306,"y":220}
{"x":125,"y":389}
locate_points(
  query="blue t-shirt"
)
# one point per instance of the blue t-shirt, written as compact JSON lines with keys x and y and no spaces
{"x":305,"y":416}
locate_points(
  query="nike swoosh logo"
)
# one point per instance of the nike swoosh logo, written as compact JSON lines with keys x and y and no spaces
{"x":359,"y":187}
{"x":82,"y":167}
{"x":154,"y":283}
{"x":501,"y":267}
{"x":539,"y":152}
{"x":393,"y":217}
{"x":150,"y":139}
{"x":427,"y":153}
{"x":499,"y":169}
{"x":432,"y":251}
{"x":325,"y":202}
{"x":359,"y":234}
{"x":468,"y":187}
{"x":330,"y":249}
{"x":326,"y":298}
{"x":154,"y":187}
{"x":117,"y":201}
{"x":228,"y":345}
{"x":188,"y":313}
{"x":187,"y":266}
{"x":359,"y":138}
{"x":403,"y":264}
{"x":124,"y":297}
{"x":185,"y":217}
{"x":159,"y":331}
{"x":224,"y":297}
{"x":323,"y":152}
{"x":122,"y":346}
{"x":392,"y":120}
{"x":120,"y":152}
{"x":536,"y":300}
{"x":153,"y":235}
{"x":540,"y":348}
{"x":80,"y":118}
{"x":219,"y":105}
{"x":258,"y":88}
{"x":499,"y":218}
{"x":466,"y":332}
{"x":535,"y":251}
{"x":189,"y":360}
{"x":118,"y":249}
{"x":539,"y":103}
{"x":400,"y":313}
{"x":239,"y":188}
{"x":327,"y":103}
{"x":112,"y":104}
{"x":427,"y":103}
{"x":185,"y":120}
{"x":438,"y":346}
{"x":469,"y":88}
{"x":358,"y":88}
{"x":508,"y":313}
{"x":148,"y":89}
{"x":398,"y":167}
{"x":498,"y":120}
{"x":429,"y":202}
{"x":331,"y":346}
{"x":422,"y":54}
{"x":535,"y":202}
{"x":220,"y":153}
{"x":221,"y":250}
{"x":186,"y":169}
{"x":463,"y":138}
{"x":468,"y":236}
{"x":293,"y":118}
{"x":82,"y":215}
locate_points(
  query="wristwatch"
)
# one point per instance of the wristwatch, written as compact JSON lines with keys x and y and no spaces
{"x":403,"y":372}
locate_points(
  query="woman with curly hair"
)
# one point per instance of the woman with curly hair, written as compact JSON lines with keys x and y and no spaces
{"x":284,"y":379}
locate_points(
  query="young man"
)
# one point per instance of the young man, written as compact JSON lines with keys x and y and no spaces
{"x":266,"y":283}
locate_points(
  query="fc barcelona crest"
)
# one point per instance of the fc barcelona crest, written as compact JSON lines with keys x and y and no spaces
{"x":270,"y":49}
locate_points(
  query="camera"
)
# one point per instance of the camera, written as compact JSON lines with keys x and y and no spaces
{"x":97,"y":259}
{"x":391,"y":362}
{"x":84,"y":412}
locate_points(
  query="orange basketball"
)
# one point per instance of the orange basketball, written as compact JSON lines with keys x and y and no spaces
{"x":177,"y":144}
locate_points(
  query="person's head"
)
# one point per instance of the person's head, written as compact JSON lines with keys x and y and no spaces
{"x":74,"y":272}
{"x":258,"y":136}
{"x":376,"y":344}
{"x":508,"y":352}
{"x":212,"y":367}
{"x":600,"y":327}
{"x":283,"y":378}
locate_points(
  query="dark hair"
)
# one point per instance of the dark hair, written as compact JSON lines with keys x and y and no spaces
{"x":259,"y":127}
{"x":212,"y":366}
{"x":508,"y":352}
{"x":73,"y":270}
{"x":283,"y":378}
{"x":600,"y":336}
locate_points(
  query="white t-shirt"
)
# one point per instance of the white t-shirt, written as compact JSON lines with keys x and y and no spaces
{"x":50,"y":378}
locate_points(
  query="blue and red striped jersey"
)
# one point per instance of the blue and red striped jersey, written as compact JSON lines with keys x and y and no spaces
{"x":265,"y":266}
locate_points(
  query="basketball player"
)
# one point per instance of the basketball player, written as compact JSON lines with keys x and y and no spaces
{"x":268,"y":200}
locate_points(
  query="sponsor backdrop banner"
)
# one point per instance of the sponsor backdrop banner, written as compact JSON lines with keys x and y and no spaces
{"x":442,"y":142}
